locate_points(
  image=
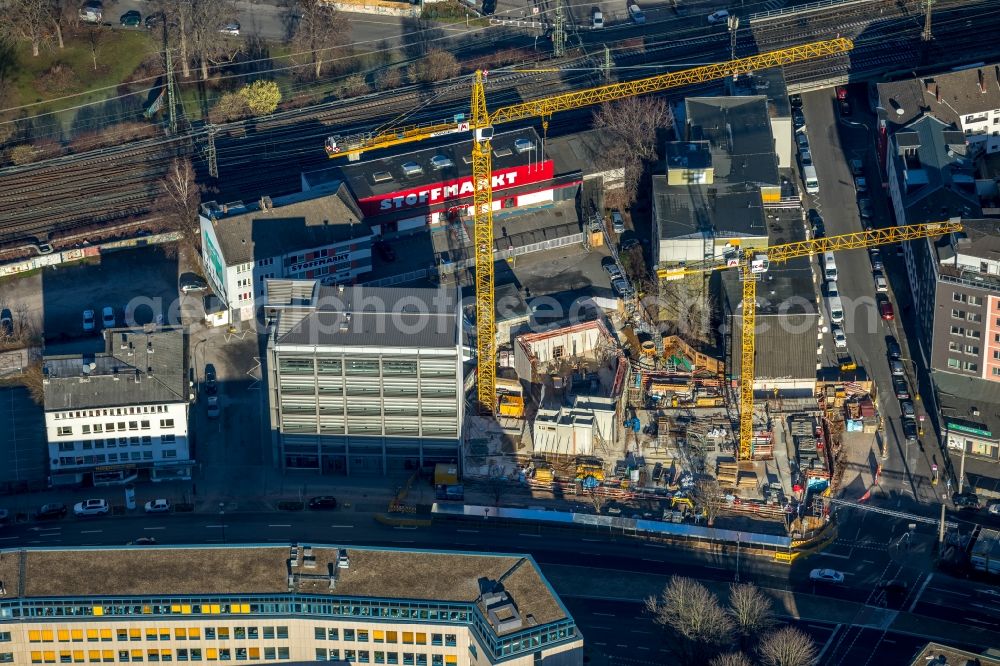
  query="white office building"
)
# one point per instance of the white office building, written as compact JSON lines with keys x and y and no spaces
{"x":121,"y":413}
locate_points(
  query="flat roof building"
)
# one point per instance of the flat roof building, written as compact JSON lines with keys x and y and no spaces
{"x":720,"y":176}
{"x":112,"y":414}
{"x":300,"y":236}
{"x":280,"y":603}
{"x":364,"y":379}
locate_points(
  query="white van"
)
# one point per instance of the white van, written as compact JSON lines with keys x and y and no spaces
{"x":836,"y":309}
{"x":829,"y":266}
{"x":809,"y":176}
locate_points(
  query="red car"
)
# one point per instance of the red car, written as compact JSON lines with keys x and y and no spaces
{"x":885,"y":308}
{"x":841,"y":92}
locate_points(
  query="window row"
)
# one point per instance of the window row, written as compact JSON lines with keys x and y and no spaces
{"x":158,"y":655}
{"x":113,"y":411}
{"x":156,"y":634}
{"x":381,"y":636}
{"x":380,"y":657}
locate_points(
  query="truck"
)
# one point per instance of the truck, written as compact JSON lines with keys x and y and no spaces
{"x":810,"y":179}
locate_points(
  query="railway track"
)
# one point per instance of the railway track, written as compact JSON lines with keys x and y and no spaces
{"x":265,"y":156}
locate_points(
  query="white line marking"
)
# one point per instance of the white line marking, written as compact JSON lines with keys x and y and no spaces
{"x":151,"y":529}
{"x":826,"y":646}
{"x":342,"y":527}
{"x":641,"y":647}
{"x":640,"y":631}
{"x":8,"y":538}
{"x":91,"y":531}
{"x":818,"y":626}
{"x":530,"y":535}
{"x":405,"y":527}
{"x":605,"y":614}
{"x":279,"y":525}
{"x":602,"y":628}
{"x":592,"y":540}
{"x":468,"y":531}
{"x":646,"y":559}
{"x":214,"y":526}
{"x":919,"y":592}
{"x":888,"y":640}
{"x":400,"y":541}
{"x":841,"y":557}
{"x":655,"y":545}
{"x":601,"y":644}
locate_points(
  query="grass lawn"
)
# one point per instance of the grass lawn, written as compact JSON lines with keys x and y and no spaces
{"x":119,"y":52}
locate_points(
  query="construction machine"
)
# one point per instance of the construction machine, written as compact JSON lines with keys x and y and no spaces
{"x":481,"y":122}
{"x":753,"y":262}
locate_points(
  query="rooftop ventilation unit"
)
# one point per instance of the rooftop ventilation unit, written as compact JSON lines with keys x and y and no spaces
{"x":441,"y":162}
{"x":381,"y":176}
{"x":524,"y":145}
{"x":411,"y":169}
{"x":503,"y":152}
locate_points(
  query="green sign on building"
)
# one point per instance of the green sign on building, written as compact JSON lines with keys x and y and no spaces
{"x":969,"y":430}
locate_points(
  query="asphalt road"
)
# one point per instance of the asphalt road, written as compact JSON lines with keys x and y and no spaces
{"x":834,"y":140}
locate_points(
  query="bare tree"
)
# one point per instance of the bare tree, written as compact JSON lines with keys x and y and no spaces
{"x":27,"y":21}
{"x":687,"y":305}
{"x":694,"y":614}
{"x":731,"y":659}
{"x":497,"y":486}
{"x":437,"y":65}
{"x":787,"y":647}
{"x":63,"y":13}
{"x":318,"y":30}
{"x":195,"y":24}
{"x":178,"y":202}
{"x":32,"y":379}
{"x":388,"y":79}
{"x":27,"y":324}
{"x":632,"y":124}
{"x":709,"y":497}
{"x":96,"y":36}
{"x":751,"y":610}
{"x":597,"y":500}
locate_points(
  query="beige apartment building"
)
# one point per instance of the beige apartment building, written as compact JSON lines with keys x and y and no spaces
{"x":274,"y":604}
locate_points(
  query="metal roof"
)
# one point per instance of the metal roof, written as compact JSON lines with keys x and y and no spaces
{"x":688,"y":210}
{"x":738,"y":130}
{"x":372,"y":316}
{"x":137,"y":367}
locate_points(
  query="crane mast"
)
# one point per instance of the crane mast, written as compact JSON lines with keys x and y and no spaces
{"x":481,"y":122}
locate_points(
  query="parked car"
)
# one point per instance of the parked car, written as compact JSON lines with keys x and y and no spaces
{"x":88,"y":320}
{"x":92,"y":12}
{"x":192,"y":282}
{"x":906,"y":407}
{"x":4,"y":516}
{"x":857,"y":167}
{"x":885,"y":308}
{"x":795,"y":101}
{"x":211,"y":385}
{"x":966,"y":501}
{"x":798,"y":118}
{"x":860,"y":184}
{"x":489,"y":7}
{"x":865,"y":208}
{"x":876,"y":256}
{"x":900,"y":388}
{"x":617,"y":221}
{"x":598,"y":19}
{"x":53,"y":511}
{"x":323,"y":502}
{"x":994,"y":508}
{"x":826,"y":576}
{"x":720,"y":16}
{"x":844,"y":106}
{"x":231,"y":28}
{"x":6,"y":323}
{"x":108,"y":319}
{"x":802,"y":139}
{"x":130,"y":19}
{"x":805,"y":157}
{"x":896,"y":368}
{"x":213,"y":408}
{"x":832,"y":291}
{"x":91,"y":507}
{"x":816,"y":222}
{"x":636,"y":14}
{"x":839,"y":339}
{"x":892,"y":347}
{"x":612,"y":270}
{"x":158,"y":506}
{"x":621,"y":287}
{"x":841,"y":92}
{"x":910,"y":430}
{"x":881,"y":285}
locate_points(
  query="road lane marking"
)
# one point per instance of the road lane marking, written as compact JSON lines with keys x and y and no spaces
{"x":279,"y":525}
{"x":601,"y":644}
{"x":530,"y":535}
{"x":150,"y":529}
{"x":468,"y":531}
{"x":405,"y":527}
{"x":646,"y":559}
{"x":919,"y":593}
{"x":214,"y":526}
{"x":826,"y":646}
{"x":601,"y":628}
{"x":91,"y":531}
{"x":8,"y":538}
{"x":841,"y":557}
{"x":605,"y":614}
{"x":640,"y":631}
{"x":342,"y":527}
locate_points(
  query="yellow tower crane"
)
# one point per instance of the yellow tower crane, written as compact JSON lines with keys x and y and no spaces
{"x":481,"y":122}
{"x":753,"y":262}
